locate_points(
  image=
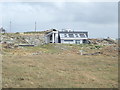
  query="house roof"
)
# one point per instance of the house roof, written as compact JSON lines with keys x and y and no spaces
{"x":73,"y":32}
{"x":73,"y":35}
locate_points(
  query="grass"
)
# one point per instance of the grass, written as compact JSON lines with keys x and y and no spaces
{"x":59,"y":67}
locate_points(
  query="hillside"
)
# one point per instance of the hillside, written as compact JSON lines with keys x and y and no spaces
{"x":61,"y":66}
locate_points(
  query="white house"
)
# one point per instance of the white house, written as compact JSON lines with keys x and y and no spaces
{"x":66,"y":36}
{"x":2,"y":30}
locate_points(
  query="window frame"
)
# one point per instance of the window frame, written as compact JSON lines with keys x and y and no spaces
{"x":71,"y":34}
{"x":83,"y":34}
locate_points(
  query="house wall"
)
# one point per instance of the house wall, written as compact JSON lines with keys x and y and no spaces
{"x":56,"y":37}
{"x":71,"y":41}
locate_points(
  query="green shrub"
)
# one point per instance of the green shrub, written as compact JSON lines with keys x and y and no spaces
{"x":98,"y":47}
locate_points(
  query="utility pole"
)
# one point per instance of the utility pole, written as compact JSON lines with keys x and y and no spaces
{"x":10,"y":26}
{"x":35,"y":26}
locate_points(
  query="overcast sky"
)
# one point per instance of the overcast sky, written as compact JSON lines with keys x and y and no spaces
{"x":100,"y":19}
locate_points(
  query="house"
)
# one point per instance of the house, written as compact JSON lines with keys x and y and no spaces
{"x":66,"y":36}
{"x":2,"y":30}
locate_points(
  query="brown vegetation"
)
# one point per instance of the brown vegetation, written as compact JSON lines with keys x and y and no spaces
{"x":60,"y":66}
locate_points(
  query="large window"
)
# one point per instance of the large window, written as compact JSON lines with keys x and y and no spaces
{"x":65,"y":35}
{"x":82,"y":35}
{"x":71,"y":35}
{"x":76,"y":35}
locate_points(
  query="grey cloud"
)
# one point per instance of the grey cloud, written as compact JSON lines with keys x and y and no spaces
{"x":93,"y":13}
{"x":102,"y":16}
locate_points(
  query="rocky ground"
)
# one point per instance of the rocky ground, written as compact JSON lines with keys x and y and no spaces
{"x":93,"y":65}
{"x":12,"y":40}
{"x":61,"y":66}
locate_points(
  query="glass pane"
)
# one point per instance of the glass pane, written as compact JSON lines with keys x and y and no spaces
{"x":76,"y":35}
{"x":71,"y":35}
{"x":65,"y":35}
{"x":82,"y":35}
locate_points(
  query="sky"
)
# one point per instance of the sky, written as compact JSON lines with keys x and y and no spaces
{"x":100,"y":19}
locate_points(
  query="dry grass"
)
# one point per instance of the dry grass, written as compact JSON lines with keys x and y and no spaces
{"x":62,"y":70}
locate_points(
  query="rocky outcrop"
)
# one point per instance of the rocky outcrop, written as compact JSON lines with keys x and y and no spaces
{"x":17,"y":39}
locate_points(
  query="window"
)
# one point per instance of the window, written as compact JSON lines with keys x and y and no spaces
{"x":76,"y":35}
{"x":71,"y":35}
{"x":82,"y":35}
{"x":77,"y":41}
{"x":62,"y":35}
{"x":68,"y":40}
{"x":65,"y":35}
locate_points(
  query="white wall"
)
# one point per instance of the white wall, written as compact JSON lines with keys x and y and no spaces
{"x":72,"y":42}
{"x":56,"y":37}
